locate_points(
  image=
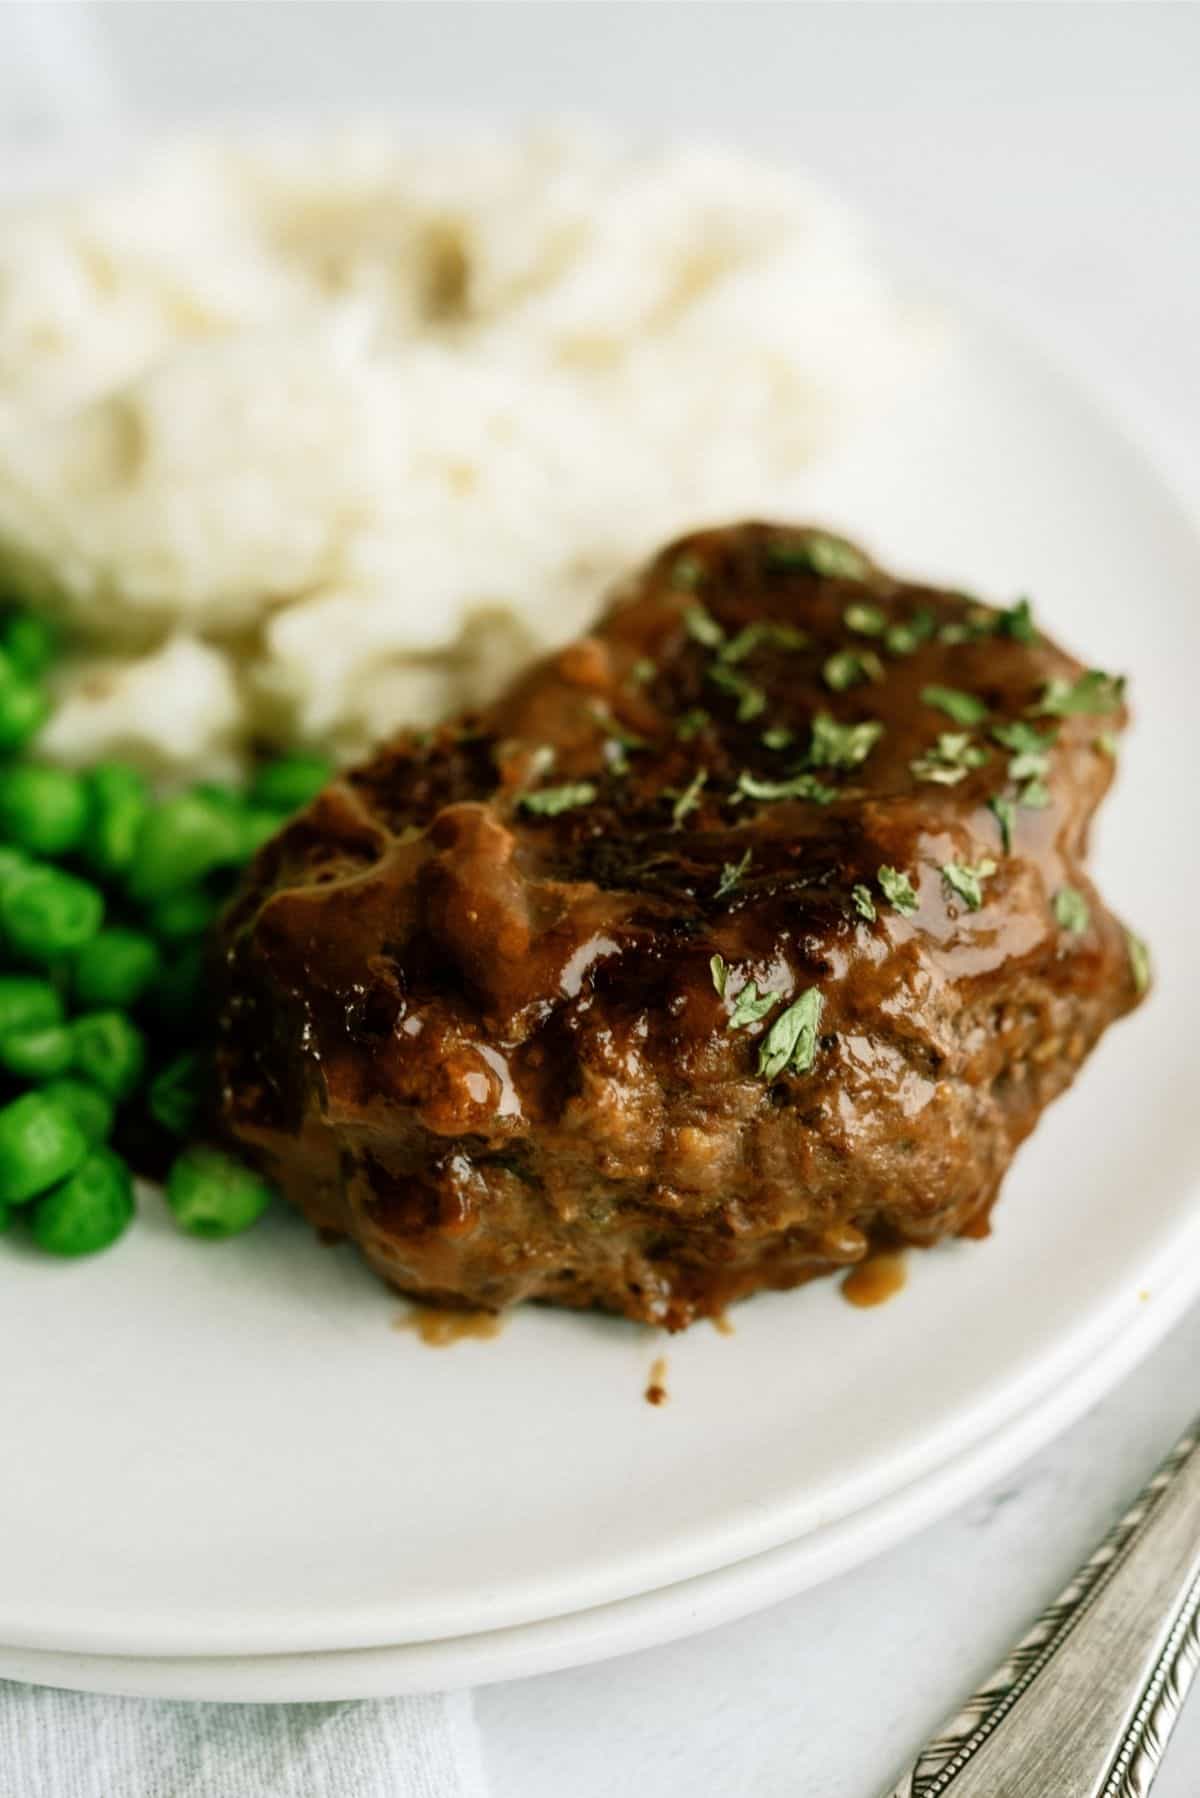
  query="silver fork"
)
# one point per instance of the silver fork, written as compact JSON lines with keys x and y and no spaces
{"x":1085,"y":1704}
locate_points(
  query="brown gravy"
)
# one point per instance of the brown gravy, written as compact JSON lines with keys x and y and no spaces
{"x":874,"y":1281}
{"x":439,"y":1328}
{"x":656,"y":1391}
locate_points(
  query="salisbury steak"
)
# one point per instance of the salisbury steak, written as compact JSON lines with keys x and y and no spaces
{"x":742,"y":937}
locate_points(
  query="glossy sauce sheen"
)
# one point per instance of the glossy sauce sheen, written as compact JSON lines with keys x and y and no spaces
{"x":875,"y":1281}
{"x":486,"y":1039}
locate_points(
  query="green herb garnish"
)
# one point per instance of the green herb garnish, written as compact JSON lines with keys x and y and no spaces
{"x":702,"y":627}
{"x":548,"y":802}
{"x":778,"y":737}
{"x":1030,"y":749}
{"x":752,"y":701}
{"x":956,"y":631}
{"x":864,"y":905}
{"x":720,"y":973}
{"x":898,"y":890}
{"x":1005,"y":813}
{"x":1093,"y":693}
{"x":964,"y":708}
{"x":819,"y":554}
{"x":689,"y":799}
{"x":750,"y":1006}
{"x":1139,"y":961}
{"x":904,"y":639}
{"x":799,"y":786}
{"x":643,"y":670}
{"x":739,"y":647}
{"x":691,"y":724}
{"x":731,"y":876}
{"x":1106,"y":744}
{"x":867,"y":621}
{"x":850,"y":667}
{"x":687,"y":572}
{"x":950,"y":760}
{"x":966,"y":879}
{"x":763,"y":632}
{"x":1023,"y":738}
{"x":836,"y":745}
{"x":1017,"y":622}
{"x":1034,"y":795}
{"x":837,"y":560}
{"x":1071,"y":910}
{"x":617,"y":742}
{"x":791,"y":1042}
{"x":979,"y":622}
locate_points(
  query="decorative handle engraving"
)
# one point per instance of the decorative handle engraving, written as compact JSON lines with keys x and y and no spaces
{"x":1086,"y":1702}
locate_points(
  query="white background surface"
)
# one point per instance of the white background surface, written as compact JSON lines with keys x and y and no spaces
{"x":1056,"y":151}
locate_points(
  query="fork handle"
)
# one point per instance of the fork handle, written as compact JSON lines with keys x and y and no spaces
{"x":1085,"y":1704}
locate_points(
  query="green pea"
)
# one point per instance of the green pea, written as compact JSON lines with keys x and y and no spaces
{"x":227,"y":799}
{"x":289,"y":782}
{"x":252,"y":825}
{"x":92,"y":1110}
{"x":115,"y":968}
{"x":88,"y":1212}
{"x":181,"y":841}
{"x":210,"y":1194}
{"x":187,"y":913}
{"x":109,"y":1050}
{"x":27,"y":1003}
{"x":45,"y":913}
{"x":256,"y":828}
{"x":118,"y":803}
{"x":174,"y":1096}
{"x":29,"y":641}
{"x":37,"y":1054}
{"x":40,"y":1144}
{"x":24,"y":708}
{"x":44,"y":810}
{"x":11,"y":861}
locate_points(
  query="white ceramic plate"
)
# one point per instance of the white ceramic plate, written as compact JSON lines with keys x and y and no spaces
{"x":658,"y":1616}
{"x":227,"y":1451}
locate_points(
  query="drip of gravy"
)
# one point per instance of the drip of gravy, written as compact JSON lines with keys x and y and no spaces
{"x":440,"y":1328}
{"x":656,"y":1391}
{"x":874,"y":1281}
{"x":722,"y":1323}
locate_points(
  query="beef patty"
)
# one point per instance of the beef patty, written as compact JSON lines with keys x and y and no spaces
{"x":742,"y":937}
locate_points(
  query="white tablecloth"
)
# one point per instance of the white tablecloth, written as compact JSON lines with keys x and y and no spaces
{"x":1053,"y":149}
{"x":68,"y":1745}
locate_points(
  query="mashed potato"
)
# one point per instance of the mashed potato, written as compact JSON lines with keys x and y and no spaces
{"x":309,"y":440}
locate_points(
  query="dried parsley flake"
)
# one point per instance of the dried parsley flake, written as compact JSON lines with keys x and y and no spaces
{"x":964,"y":708}
{"x":864,"y":905}
{"x":548,"y":802}
{"x":898,"y":890}
{"x":799,"y":786}
{"x":967,"y":878}
{"x":750,"y":1006}
{"x":1071,"y":910}
{"x":836,"y":745}
{"x":791,"y":1042}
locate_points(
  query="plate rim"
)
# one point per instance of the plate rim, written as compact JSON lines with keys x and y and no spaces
{"x":641,"y":1621}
